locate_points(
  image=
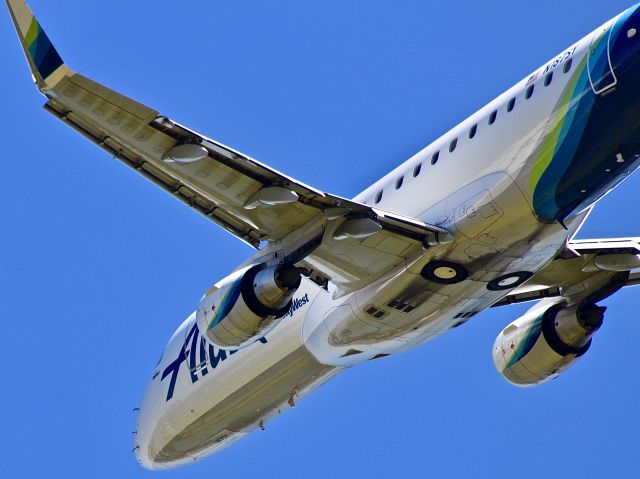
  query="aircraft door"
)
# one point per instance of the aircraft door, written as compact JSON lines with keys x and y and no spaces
{"x":601,"y":74}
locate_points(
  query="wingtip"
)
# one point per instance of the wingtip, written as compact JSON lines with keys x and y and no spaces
{"x":45,"y":62}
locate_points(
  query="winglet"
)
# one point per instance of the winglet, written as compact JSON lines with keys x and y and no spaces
{"x":46,"y":64}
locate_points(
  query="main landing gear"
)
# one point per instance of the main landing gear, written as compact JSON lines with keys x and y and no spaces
{"x":509,"y":281}
{"x":448,"y":272}
{"x":444,"y":272}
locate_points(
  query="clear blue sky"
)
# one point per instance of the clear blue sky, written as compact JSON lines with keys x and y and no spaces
{"x":98,"y":266}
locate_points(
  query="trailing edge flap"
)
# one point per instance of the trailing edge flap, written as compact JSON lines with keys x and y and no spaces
{"x":249,"y":199}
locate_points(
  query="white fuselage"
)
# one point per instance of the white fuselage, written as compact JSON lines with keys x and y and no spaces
{"x":201,"y":398}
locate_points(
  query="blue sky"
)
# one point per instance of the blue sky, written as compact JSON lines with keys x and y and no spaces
{"x":98,"y":266}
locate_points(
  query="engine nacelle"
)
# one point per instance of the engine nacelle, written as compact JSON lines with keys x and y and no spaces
{"x":247,"y":304}
{"x":545,"y":341}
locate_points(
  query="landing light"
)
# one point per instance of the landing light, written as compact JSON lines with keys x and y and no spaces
{"x":631,"y":33}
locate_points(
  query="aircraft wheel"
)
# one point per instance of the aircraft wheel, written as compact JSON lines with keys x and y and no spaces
{"x":509,"y":281}
{"x":444,"y":272}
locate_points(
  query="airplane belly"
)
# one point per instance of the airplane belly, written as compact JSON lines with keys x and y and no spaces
{"x":217,"y":397}
{"x":499,"y":243}
{"x":243,"y":410}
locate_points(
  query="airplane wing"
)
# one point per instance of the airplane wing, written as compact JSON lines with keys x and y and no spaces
{"x":583,"y":266}
{"x":250,"y":200}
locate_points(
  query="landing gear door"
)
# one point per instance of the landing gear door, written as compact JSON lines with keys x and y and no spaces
{"x":601,"y":74}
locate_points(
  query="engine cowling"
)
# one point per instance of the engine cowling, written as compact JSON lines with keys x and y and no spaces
{"x":544,"y":342}
{"x":247,"y":304}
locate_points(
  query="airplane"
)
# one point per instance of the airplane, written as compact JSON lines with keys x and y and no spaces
{"x":336,"y":282}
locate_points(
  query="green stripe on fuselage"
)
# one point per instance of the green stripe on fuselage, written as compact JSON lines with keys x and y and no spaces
{"x":563,"y":120}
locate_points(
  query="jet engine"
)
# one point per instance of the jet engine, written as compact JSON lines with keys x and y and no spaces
{"x":247,"y":304}
{"x":545,"y":341}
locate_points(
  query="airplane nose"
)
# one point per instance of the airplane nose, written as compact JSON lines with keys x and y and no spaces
{"x":143,"y":445}
{"x":155,"y":426}
{"x":142,"y":457}
{"x":147,"y":422}
{"x":141,"y":442}
{"x":154,"y":422}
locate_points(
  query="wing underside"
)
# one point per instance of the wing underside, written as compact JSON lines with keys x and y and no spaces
{"x":252,"y":201}
{"x":585,"y":270}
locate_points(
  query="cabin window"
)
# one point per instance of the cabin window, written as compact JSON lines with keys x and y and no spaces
{"x":473,"y":131}
{"x":529,"y":93}
{"x":453,"y":145}
{"x":493,"y":116}
{"x":567,"y":65}
{"x":399,"y":182}
{"x":511,"y":105}
{"x":379,"y":196}
{"x":435,"y":157}
{"x":548,"y":79}
{"x":416,"y":170}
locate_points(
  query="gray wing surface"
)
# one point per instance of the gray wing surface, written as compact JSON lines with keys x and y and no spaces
{"x":252,"y":201}
{"x":583,"y":266}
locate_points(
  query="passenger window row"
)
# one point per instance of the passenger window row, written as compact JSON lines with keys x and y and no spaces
{"x":493,"y":116}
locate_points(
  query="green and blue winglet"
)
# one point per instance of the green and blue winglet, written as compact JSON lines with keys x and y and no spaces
{"x":46,"y":64}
